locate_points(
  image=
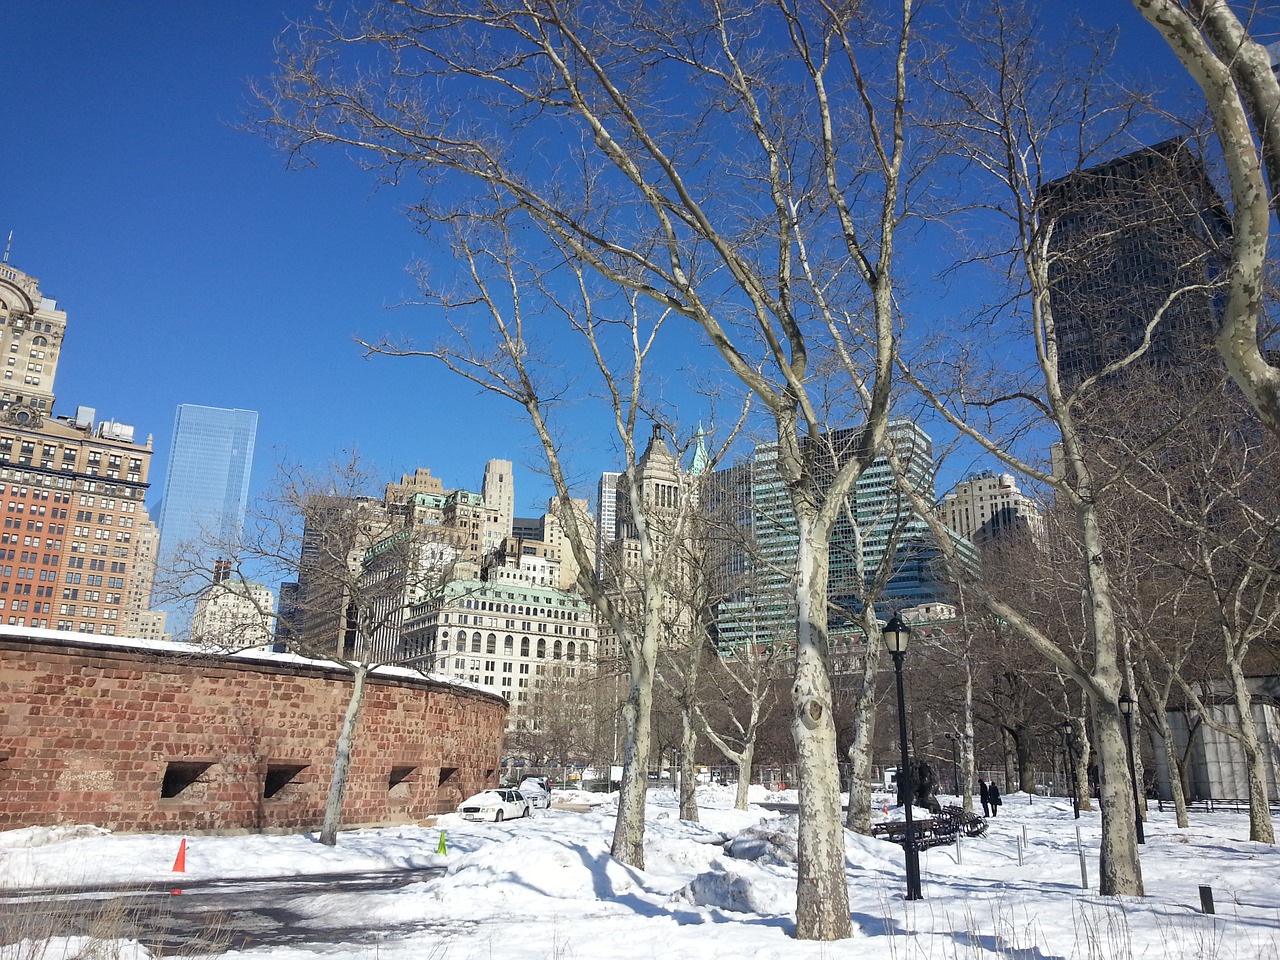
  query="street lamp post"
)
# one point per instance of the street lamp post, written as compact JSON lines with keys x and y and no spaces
{"x":896,"y":634}
{"x":1068,"y":742}
{"x":1126,"y":707}
{"x":955,"y":761}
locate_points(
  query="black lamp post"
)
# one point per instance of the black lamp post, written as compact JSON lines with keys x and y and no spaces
{"x":955,"y":761}
{"x":1126,"y":707}
{"x":896,"y":634}
{"x":1069,"y":743}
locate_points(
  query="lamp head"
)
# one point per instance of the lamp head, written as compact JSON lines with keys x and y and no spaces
{"x":896,"y":633}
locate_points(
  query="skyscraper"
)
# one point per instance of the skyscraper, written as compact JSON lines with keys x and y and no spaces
{"x":1133,"y":239}
{"x":606,"y":515}
{"x":206,"y":487}
{"x":880,"y":527}
{"x":75,"y":550}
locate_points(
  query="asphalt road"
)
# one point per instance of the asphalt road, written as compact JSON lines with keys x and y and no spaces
{"x":208,"y":917}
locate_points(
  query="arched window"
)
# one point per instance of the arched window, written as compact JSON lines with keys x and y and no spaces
{"x":461,"y":643}
{"x":475,"y":643}
{"x":491,"y":644}
{"x":556,"y":651}
{"x":571,"y":651}
{"x":508,"y":645}
{"x":542,"y":649}
{"x":524,"y":646}
{"x":586,"y":653}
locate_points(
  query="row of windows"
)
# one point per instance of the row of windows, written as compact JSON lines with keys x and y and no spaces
{"x":521,"y":610}
{"x":559,"y":650}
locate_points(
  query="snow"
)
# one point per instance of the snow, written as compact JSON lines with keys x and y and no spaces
{"x":720,"y":889}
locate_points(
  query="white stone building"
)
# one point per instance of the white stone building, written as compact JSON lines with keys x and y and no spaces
{"x":234,"y":614}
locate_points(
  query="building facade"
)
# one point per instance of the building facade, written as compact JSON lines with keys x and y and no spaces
{"x":509,"y":629}
{"x":606,"y":514}
{"x":989,"y":507}
{"x":206,"y":490}
{"x":878,"y":529}
{"x":76,"y":531}
{"x":233,"y":617}
{"x":1127,"y":234}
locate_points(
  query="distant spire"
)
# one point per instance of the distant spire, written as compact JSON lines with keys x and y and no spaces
{"x":701,"y":458}
{"x":8,"y":246}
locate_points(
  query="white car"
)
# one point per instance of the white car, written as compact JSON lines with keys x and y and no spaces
{"x":495,"y":805}
{"x":536,"y":793}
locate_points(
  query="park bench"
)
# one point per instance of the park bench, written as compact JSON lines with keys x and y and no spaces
{"x":941,"y":828}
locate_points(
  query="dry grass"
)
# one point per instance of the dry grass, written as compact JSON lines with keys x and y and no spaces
{"x":116,"y":928}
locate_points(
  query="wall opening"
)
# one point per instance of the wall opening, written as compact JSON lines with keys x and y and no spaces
{"x":179,"y":775}
{"x":279,"y":776}
{"x":447,"y":774}
{"x":398,"y":783}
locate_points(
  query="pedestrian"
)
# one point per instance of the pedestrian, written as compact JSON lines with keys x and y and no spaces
{"x":984,"y":794}
{"x":993,"y":794}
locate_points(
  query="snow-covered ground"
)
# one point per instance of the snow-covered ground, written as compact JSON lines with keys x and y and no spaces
{"x":721,"y":889}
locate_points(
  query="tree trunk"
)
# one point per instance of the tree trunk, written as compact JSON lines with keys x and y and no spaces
{"x":967,"y":773}
{"x":822,"y":893}
{"x":1010,"y":743}
{"x":688,"y":775}
{"x":1174,"y":764}
{"x":1120,"y":871}
{"x":628,"y":830}
{"x":1260,"y":826}
{"x":858,"y":817}
{"x":745,"y":761}
{"x":1026,"y":768}
{"x":342,"y":758}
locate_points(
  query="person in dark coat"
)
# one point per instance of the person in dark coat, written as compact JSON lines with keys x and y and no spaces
{"x":984,"y":794}
{"x":993,"y":796}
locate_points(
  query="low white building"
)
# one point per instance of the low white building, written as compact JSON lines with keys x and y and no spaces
{"x":234,"y":614}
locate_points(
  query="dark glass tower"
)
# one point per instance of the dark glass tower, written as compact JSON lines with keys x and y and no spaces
{"x":1133,"y":240}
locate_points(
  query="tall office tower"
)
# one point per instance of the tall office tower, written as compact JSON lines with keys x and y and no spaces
{"x":139,"y":619}
{"x":206,"y":489}
{"x":880,"y":527}
{"x":606,"y":515}
{"x":1126,"y":235}
{"x":74,"y":488}
{"x":989,"y":507}
{"x":498,"y":491}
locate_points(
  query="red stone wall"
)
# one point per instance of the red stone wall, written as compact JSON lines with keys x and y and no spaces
{"x":87,"y":733}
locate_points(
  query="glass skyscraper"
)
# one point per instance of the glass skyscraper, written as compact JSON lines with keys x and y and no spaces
{"x":206,"y":487}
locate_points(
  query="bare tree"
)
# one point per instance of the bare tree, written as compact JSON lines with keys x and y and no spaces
{"x":1243,"y":96}
{"x":359,"y":565}
{"x":1212,"y":497}
{"x":1014,"y":111}
{"x":722,"y":213}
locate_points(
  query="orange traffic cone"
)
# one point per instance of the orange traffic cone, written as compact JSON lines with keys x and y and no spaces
{"x":180,"y":864}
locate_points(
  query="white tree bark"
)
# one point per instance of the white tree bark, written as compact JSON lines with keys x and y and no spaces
{"x":342,"y":757}
{"x":1234,"y":72}
{"x":823,"y":909}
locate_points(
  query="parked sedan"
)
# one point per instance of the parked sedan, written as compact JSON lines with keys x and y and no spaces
{"x":535,"y":791}
{"x":495,"y":805}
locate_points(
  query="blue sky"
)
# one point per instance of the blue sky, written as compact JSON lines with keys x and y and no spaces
{"x":186,"y":255}
{"x":195,"y":269}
